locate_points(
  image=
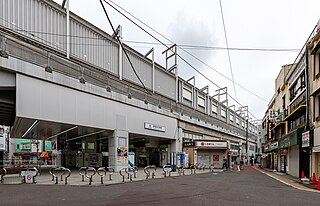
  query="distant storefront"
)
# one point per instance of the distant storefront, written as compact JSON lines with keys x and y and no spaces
{"x":206,"y":153}
{"x":33,"y":150}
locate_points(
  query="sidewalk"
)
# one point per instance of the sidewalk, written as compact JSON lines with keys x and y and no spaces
{"x":45,"y":178}
{"x":288,"y":180}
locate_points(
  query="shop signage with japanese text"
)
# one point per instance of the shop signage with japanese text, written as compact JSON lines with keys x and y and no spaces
{"x":306,"y":139}
{"x":188,"y":144}
{"x":211,"y":144}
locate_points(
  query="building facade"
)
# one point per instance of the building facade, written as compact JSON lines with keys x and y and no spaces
{"x":314,"y":77}
{"x":102,"y":111}
{"x":292,"y":135}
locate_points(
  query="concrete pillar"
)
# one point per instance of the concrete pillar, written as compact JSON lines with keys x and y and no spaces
{"x":118,"y":149}
{"x":174,"y":147}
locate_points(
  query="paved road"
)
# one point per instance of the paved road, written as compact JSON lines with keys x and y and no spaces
{"x":248,"y":187}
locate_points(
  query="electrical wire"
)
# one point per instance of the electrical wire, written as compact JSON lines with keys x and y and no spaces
{"x":229,"y":58}
{"x":167,"y":47}
{"x":118,"y":38}
{"x":162,"y":44}
{"x":186,"y":46}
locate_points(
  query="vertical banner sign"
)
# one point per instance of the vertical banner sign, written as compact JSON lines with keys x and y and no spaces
{"x":306,"y":139}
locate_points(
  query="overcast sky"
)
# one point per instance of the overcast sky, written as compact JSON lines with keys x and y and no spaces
{"x":254,"y":24}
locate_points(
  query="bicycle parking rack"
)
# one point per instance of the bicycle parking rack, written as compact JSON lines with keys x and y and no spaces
{"x":135,"y":170}
{"x":193,"y":169}
{"x":29,"y":174}
{"x":110,"y":170}
{"x":56,"y":171}
{"x":2,"y":174}
{"x":66,"y":177}
{"x":51,"y":172}
{"x":82,"y":171}
{"x":180,"y":170}
{"x":121,"y":172}
{"x":102,"y":172}
{"x":152,"y":172}
{"x":167,"y":170}
{"x":129,"y":173}
{"x":201,"y":166}
{"x":89,"y":173}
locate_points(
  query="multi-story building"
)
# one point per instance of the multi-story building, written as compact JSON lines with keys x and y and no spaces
{"x":273,"y":121}
{"x":293,"y":116}
{"x":314,"y":82}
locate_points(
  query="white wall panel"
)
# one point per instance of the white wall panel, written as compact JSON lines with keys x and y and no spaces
{"x":67,"y":106}
{"x":36,"y":97}
{"x":165,"y":83}
{"x":142,"y":67}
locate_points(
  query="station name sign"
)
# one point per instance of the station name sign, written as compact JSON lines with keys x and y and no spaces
{"x":154,"y":127}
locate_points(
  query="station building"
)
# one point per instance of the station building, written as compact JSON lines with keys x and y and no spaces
{"x":71,"y":83}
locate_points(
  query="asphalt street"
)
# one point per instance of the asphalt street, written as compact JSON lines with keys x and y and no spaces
{"x":248,"y":187}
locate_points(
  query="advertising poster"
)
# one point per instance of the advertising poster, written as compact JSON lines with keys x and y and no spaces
{"x":131,"y":160}
{"x":122,"y":153}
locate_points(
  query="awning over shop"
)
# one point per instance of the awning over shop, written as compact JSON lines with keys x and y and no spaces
{"x":211,"y":145}
{"x":290,"y":139}
{"x":296,"y":113}
{"x":271,"y":146}
{"x":21,"y":153}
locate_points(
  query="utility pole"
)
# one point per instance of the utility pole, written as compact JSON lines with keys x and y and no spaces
{"x":247,"y":155}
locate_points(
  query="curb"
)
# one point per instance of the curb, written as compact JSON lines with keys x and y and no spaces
{"x":275,"y":176}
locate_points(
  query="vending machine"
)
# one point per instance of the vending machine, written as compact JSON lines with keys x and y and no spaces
{"x":182,"y":159}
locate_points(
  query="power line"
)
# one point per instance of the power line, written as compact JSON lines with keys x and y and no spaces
{"x":186,"y":46}
{"x":229,"y":58}
{"x":118,"y":38}
{"x":167,"y":47}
